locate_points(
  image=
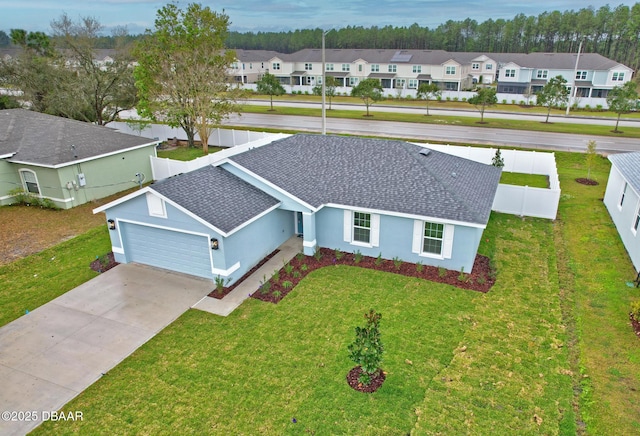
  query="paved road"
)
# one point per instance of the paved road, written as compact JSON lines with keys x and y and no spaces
{"x":445,"y":133}
{"x":573,"y":118}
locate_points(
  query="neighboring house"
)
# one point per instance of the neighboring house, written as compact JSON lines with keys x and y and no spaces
{"x":397,"y":70}
{"x":622,"y":199}
{"x":67,"y":161}
{"x":354,"y":194}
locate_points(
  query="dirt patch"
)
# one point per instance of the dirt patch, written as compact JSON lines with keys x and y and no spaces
{"x":104,"y":263}
{"x":481,"y":278}
{"x":376,"y":380}
{"x":635,"y":325}
{"x":588,"y":182}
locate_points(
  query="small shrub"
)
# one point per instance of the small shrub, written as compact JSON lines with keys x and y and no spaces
{"x":397,"y":262}
{"x":635,"y":310}
{"x":448,"y":98}
{"x":357,"y":256}
{"x":462,"y":276}
{"x":276,"y":276}
{"x":287,"y":284}
{"x":599,"y":107}
{"x":219,"y":281}
{"x":296,"y":274}
{"x":455,"y":99}
{"x":317,"y":254}
{"x":288,"y":269}
{"x":504,"y":101}
{"x":464,"y":99}
{"x":378,"y":260}
{"x":367,"y":348}
{"x":481,"y":280}
{"x":277,"y":294}
{"x":442,"y":272}
{"x":419,"y":267}
{"x":338,"y":254}
{"x":265,"y":286}
{"x":304,"y":267}
{"x":513,"y":102}
{"x":300,"y":256}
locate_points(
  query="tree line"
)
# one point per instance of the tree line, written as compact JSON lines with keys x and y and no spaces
{"x":613,"y":33}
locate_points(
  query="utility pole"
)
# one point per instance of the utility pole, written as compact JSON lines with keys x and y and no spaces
{"x":324,"y":89}
{"x":574,"y":89}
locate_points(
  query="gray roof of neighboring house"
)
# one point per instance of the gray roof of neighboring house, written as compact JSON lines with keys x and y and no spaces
{"x":43,"y":139}
{"x":629,"y":166}
{"x":386,"y":175}
{"x":217,"y":196}
{"x":556,"y":61}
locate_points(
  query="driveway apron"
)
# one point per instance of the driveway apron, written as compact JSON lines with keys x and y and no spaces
{"x":53,"y":353}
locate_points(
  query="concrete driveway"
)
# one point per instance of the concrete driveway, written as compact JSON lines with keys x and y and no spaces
{"x":50,"y":355}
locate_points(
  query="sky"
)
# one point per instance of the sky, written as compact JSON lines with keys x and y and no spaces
{"x":283,"y":15}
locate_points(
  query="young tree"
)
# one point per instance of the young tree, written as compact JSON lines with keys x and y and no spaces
{"x":483,"y":98}
{"x":369,"y":90}
{"x":181,"y":75}
{"x":329,"y":88}
{"x":367,"y":348}
{"x":591,"y":157}
{"x":553,"y":94}
{"x":428,"y":91}
{"x":269,"y":85}
{"x":622,"y":100}
{"x":498,"y":160}
{"x":99,"y":90}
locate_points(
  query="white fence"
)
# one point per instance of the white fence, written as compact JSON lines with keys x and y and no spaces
{"x":517,"y":200}
{"x":219,"y":137}
{"x":163,"y":167}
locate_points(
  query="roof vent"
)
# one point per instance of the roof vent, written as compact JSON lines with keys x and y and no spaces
{"x":425,"y":152}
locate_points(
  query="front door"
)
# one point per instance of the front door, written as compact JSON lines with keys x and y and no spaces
{"x":299,"y":222}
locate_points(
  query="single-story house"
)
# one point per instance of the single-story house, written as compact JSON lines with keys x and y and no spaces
{"x":384,"y":197}
{"x":622,"y":199}
{"x":67,"y":161}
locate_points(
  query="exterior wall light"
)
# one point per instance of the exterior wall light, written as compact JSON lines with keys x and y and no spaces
{"x":112,"y":224}
{"x":214,"y":244}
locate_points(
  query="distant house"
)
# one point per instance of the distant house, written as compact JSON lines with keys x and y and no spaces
{"x":379,"y":197}
{"x":622,"y":199}
{"x":68,"y":161}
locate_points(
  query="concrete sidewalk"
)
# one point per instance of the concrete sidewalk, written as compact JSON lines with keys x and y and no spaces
{"x":50,"y":355}
{"x":231,"y":301}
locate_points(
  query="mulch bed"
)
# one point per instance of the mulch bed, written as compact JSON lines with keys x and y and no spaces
{"x":104,"y":263}
{"x":376,"y":380}
{"x":220,"y":294}
{"x":588,"y":182}
{"x":481,"y":278}
{"x":635,"y":324}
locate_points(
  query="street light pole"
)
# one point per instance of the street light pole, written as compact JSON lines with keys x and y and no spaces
{"x":324,"y":89}
{"x":574,"y":89}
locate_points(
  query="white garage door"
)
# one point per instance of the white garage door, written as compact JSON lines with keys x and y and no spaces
{"x":168,"y":249}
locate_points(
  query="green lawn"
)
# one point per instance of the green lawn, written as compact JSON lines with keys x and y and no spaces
{"x":37,"y":279}
{"x":520,"y":179}
{"x":185,"y":153}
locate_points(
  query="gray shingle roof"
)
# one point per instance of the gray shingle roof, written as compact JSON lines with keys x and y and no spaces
{"x":46,"y":140}
{"x":377,"y":174}
{"x":217,"y":196}
{"x":629,"y":166}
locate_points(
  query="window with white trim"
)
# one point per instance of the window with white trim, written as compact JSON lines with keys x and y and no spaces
{"x":636,"y":220}
{"x":618,"y":76}
{"x":361,"y":228}
{"x":353,"y":81}
{"x":30,"y":181}
{"x":375,"y":68}
{"x":308,"y":67}
{"x":413,"y":84}
{"x":392,"y":68}
{"x":346,"y":67}
{"x":488,"y":67}
{"x":475,"y":66}
{"x":581,"y":75}
{"x":433,"y":237}
{"x":624,"y":192}
{"x":450,"y":70}
{"x":417,"y":68}
{"x":276,"y":65}
{"x":542,"y":74}
{"x":329,"y":67}
{"x":509,"y":73}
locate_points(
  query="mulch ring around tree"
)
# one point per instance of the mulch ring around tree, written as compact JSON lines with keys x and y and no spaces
{"x":104,"y":263}
{"x":588,"y":182}
{"x":376,"y":380}
{"x":635,"y":325}
{"x":481,"y":278}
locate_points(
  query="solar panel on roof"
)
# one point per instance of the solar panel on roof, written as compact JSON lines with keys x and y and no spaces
{"x":401,"y":57}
